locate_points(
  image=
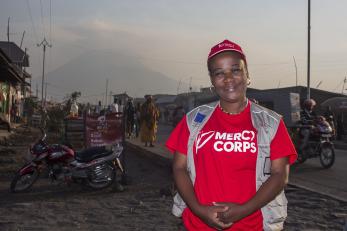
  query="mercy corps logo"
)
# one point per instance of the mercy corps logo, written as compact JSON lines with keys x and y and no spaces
{"x":226,"y":45}
{"x":228,"y":142}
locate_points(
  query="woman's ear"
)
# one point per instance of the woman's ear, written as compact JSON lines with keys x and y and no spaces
{"x":248,"y":81}
{"x":212,"y":89}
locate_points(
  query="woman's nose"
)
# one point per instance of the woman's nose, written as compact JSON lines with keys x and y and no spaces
{"x":228,"y":76}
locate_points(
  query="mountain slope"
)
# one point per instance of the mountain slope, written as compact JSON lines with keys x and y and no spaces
{"x":88,"y":73}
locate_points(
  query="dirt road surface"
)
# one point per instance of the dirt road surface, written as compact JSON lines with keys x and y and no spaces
{"x":144,"y":205}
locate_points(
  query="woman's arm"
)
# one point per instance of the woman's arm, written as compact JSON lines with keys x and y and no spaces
{"x":185,"y":188}
{"x":266,"y":193}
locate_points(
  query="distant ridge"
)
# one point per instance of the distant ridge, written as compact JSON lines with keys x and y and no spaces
{"x":88,"y":73}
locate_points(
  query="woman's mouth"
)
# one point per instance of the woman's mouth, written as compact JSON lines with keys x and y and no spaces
{"x":229,"y":89}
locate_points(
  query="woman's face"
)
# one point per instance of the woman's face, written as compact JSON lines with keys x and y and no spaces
{"x":228,"y":75}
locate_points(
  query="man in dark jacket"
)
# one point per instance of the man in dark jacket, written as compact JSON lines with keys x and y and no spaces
{"x":307,"y":116}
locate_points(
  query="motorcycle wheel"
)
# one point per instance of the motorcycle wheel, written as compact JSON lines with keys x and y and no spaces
{"x":101,"y":176}
{"x":22,"y":183}
{"x":327,"y":156}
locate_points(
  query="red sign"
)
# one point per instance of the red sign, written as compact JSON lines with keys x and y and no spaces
{"x":104,"y":130}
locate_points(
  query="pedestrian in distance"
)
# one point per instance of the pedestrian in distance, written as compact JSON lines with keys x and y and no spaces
{"x":98,"y":108}
{"x":231,"y":157}
{"x":137,"y":119}
{"x":149,"y":119}
{"x":114,"y":107}
{"x":14,"y":112}
{"x":130,"y":118}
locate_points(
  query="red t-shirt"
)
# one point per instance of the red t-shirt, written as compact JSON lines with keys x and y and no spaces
{"x":225,"y":154}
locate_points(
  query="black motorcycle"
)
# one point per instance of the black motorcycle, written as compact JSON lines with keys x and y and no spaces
{"x":319,"y":144}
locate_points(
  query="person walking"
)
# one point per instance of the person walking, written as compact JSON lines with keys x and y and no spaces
{"x":137,"y":119}
{"x":14,"y":112}
{"x":98,"y":108}
{"x":114,"y":107}
{"x":231,"y":157}
{"x":149,"y":118}
{"x":130,"y":118}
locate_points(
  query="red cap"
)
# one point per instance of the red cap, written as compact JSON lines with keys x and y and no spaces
{"x":226,"y":45}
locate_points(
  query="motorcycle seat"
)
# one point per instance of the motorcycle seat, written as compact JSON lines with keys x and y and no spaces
{"x":92,"y":153}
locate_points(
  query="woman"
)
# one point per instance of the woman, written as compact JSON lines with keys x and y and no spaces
{"x":237,"y":152}
{"x":149,"y":118}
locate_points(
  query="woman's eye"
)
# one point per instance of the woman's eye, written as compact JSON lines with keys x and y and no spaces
{"x":219,"y":74}
{"x":236,"y":71}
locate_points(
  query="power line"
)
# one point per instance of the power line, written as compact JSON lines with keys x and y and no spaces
{"x":87,"y":96}
{"x":58,"y":87}
{"x":50,"y":21}
{"x":253,"y":65}
{"x":32,"y":21}
{"x":42,"y":21}
{"x":343,"y":86}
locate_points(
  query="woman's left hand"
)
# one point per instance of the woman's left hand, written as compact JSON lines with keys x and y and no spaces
{"x":234,"y":213}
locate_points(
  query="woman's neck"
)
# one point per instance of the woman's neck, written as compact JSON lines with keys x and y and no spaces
{"x":233,"y":107}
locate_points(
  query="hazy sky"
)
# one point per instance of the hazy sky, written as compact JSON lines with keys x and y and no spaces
{"x":174,"y":37}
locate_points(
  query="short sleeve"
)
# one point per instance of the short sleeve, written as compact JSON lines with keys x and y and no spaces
{"x":178,"y":139}
{"x":282,"y":145}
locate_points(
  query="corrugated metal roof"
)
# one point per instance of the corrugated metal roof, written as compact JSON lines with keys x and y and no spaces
{"x":166,"y":99}
{"x":8,"y":70}
{"x":16,"y":54}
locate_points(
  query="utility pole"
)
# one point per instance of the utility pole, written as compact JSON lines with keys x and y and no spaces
{"x":190,"y":85}
{"x":111,"y":101}
{"x":178,"y":86}
{"x":296,"y":73}
{"x":21,"y":41}
{"x":45,"y":92}
{"x":343,"y":87}
{"x":8,"y":29}
{"x":308,"y":49}
{"x":8,"y":37}
{"x":106,"y":93}
{"x":30,"y":89}
{"x":44,"y":44}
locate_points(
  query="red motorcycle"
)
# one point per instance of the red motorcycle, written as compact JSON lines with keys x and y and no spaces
{"x":95,"y":166}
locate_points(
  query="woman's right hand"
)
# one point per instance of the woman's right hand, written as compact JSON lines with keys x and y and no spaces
{"x":209,"y":214}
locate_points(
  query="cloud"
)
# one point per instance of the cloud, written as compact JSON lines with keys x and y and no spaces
{"x":66,"y":34}
{"x":102,"y":25}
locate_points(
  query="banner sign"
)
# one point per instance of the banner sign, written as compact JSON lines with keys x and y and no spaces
{"x":295,"y":107}
{"x":104,"y":129}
